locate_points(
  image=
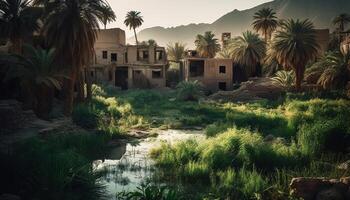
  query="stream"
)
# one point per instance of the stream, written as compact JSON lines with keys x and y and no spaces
{"x":128,"y":165}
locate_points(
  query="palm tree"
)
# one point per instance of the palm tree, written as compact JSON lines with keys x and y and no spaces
{"x":248,"y":50}
{"x":176,"y":52}
{"x":265,"y":22}
{"x":71,"y":28}
{"x":295,"y":45}
{"x":133,"y":20}
{"x":341,"y":21}
{"x":330,"y":72}
{"x":17,"y":20}
{"x":207,"y":45}
{"x":38,"y":75}
{"x":225,"y":53}
{"x":108,"y":15}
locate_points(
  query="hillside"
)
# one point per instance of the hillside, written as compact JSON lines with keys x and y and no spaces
{"x":321,"y":12}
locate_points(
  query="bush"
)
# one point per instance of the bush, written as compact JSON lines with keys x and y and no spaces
{"x":324,"y":136}
{"x":196,"y":170}
{"x":189,"y":90}
{"x":86,"y":116}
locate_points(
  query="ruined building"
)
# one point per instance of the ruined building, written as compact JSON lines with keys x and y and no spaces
{"x":126,"y":66}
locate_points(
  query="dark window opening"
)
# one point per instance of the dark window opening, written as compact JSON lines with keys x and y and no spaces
{"x":145,"y":54}
{"x":159,"y":55}
{"x":196,"y":68}
{"x":137,"y":72}
{"x":156,"y":73}
{"x":91,"y":73}
{"x":104,"y":54}
{"x":222,"y":86}
{"x":222,"y":69}
{"x":113,"y":57}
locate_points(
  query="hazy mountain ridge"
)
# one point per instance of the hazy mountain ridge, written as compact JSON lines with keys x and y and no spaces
{"x":321,"y":12}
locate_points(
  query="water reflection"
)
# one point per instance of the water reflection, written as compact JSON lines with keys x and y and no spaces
{"x":127,"y":165}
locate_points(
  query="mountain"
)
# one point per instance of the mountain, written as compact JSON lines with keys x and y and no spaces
{"x":321,"y":12}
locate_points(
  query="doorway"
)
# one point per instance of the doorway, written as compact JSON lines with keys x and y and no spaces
{"x":121,"y":77}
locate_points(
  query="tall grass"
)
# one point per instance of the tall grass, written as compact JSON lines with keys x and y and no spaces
{"x":58,"y":167}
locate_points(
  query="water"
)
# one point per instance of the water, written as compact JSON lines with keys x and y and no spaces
{"x":128,"y":165}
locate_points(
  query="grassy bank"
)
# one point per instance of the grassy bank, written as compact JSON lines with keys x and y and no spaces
{"x":255,"y":150}
{"x":54,"y":167}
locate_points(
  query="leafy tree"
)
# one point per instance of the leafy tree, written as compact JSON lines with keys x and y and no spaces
{"x":207,"y":45}
{"x":18,"y":19}
{"x":265,"y":22}
{"x":38,"y":75}
{"x":133,"y":20}
{"x":248,"y":50}
{"x":330,"y":72}
{"x":71,"y":28}
{"x":295,"y":45}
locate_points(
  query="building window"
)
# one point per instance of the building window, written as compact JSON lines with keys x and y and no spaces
{"x":159,"y":55}
{"x":222,"y":69}
{"x":157,"y":73}
{"x":145,"y":54}
{"x":222,"y":86}
{"x":91,"y":73}
{"x":196,"y":68}
{"x":113,"y":57}
{"x":104,"y":54}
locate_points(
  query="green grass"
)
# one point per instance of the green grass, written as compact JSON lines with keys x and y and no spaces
{"x":252,"y":150}
{"x":57,"y":167}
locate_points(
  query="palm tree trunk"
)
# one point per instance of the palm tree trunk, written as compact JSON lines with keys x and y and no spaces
{"x":299,"y":72}
{"x":137,"y":42}
{"x":88,"y":84}
{"x":80,"y":87}
{"x":69,"y":92}
{"x":16,"y":46}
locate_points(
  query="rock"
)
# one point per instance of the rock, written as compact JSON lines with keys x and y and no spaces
{"x":252,"y":90}
{"x":345,"y":180}
{"x":330,"y":194}
{"x":9,"y":197}
{"x":344,"y":166}
{"x":269,"y":138}
{"x":307,"y":188}
{"x":320,"y":188}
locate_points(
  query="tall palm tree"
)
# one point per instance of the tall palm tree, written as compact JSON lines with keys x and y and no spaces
{"x":133,"y":20}
{"x":108,"y":15}
{"x":71,"y":28}
{"x":248,"y":50}
{"x":38,"y":75}
{"x":295,"y":45}
{"x":176,"y":51}
{"x":265,"y":22}
{"x":341,"y":21}
{"x":225,"y":53}
{"x":207,"y":45}
{"x":18,"y":19}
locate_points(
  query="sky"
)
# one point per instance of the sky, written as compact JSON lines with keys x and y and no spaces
{"x":169,"y":13}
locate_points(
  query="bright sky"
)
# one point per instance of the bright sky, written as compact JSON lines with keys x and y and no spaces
{"x":168,"y":13}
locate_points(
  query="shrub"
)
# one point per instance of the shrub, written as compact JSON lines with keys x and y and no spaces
{"x":150,"y":192}
{"x":86,"y":116}
{"x":323,"y":136}
{"x":189,"y":90}
{"x":196,"y":170}
{"x":284,"y":79}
